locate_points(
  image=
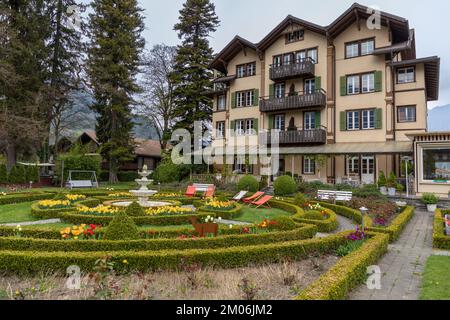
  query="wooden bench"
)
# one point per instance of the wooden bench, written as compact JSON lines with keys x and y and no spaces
{"x":80,"y":184}
{"x":334,"y":195}
{"x":202,"y":187}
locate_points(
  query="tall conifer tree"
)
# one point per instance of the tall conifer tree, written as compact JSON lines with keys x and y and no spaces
{"x":114,"y":55}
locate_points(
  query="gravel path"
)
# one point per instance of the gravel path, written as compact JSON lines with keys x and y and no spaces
{"x":31,"y":223}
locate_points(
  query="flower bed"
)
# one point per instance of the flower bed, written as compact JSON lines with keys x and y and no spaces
{"x":168,"y":210}
{"x":99,"y":210}
{"x":440,"y":239}
{"x":349,"y":213}
{"x":40,"y":213}
{"x":395,"y":228}
{"x":326,"y":225}
{"x":348,"y":272}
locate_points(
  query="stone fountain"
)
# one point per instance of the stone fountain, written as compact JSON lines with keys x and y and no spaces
{"x":143,"y":193}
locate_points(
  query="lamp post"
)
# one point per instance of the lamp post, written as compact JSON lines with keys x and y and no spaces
{"x":364,"y":211}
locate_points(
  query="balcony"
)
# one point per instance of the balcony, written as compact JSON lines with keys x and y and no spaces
{"x":315,"y":136}
{"x":296,"y":100}
{"x":296,"y":69}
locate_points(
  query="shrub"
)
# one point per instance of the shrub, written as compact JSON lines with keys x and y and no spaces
{"x":168,"y":172}
{"x":127,"y":176}
{"x":367,"y":191}
{"x":382,"y":180}
{"x":248,"y":183}
{"x":391,"y":180}
{"x":122,"y":227}
{"x":429,"y":198}
{"x":3,"y":174}
{"x":284,"y":185}
{"x":314,"y":215}
{"x":440,"y":239}
{"x":17,"y":175}
{"x":135,"y":210}
{"x":284,"y":223}
{"x":32,"y":174}
{"x":300,"y":200}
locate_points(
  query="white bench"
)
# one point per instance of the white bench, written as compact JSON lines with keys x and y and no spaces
{"x":80,"y":184}
{"x":334,"y":195}
{"x":202,"y":187}
{"x":447,"y":227}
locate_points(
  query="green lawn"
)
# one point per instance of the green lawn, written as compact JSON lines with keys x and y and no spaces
{"x":253,"y":215}
{"x":20,"y":212}
{"x":436,"y":279}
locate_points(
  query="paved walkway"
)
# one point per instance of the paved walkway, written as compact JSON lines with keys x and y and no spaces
{"x":345,"y":224}
{"x":402,"y":267}
{"x":31,"y":223}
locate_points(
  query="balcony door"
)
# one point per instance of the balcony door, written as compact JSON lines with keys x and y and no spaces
{"x":280,"y":90}
{"x":310,"y":86}
{"x":279,"y":122}
{"x":368,"y":170}
{"x":309,"y":120}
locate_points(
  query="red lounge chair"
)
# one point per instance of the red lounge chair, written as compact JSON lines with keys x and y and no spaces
{"x":210,"y":192}
{"x":190,"y":192}
{"x":253,"y":197}
{"x":264,"y":201}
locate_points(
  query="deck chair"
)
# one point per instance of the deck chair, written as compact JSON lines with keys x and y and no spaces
{"x":190,"y":192}
{"x":240,"y":196}
{"x":262,"y":202}
{"x":210,"y":192}
{"x":253,"y":197}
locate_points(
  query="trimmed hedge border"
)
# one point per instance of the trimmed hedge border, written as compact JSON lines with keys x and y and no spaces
{"x":31,"y":262}
{"x":348,"y":271}
{"x":45,"y":245}
{"x":349,"y":213}
{"x":326,"y":226}
{"x":230,"y":214}
{"x":49,"y":213}
{"x":25,"y":197}
{"x":440,"y":239}
{"x":396,"y":227}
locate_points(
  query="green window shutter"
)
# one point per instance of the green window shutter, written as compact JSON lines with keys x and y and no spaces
{"x":233,"y":100}
{"x":272,"y":90}
{"x":255,"y":125}
{"x":379,"y":119}
{"x":271,"y":122}
{"x":343,"y":121}
{"x":378,"y":81}
{"x":343,"y":85}
{"x":318,"y":83}
{"x":255,"y":97}
{"x":232,"y":128}
{"x":318,"y":120}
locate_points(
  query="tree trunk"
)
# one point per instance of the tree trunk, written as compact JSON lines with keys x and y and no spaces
{"x":11,"y":155}
{"x":113,"y":171}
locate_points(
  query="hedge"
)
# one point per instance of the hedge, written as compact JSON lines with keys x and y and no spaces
{"x":349,"y":213}
{"x":328,"y":225}
{"x":30,"y":262}
{"x":440,"y":239}
{"x":397,"y":225}
{"x":40,"y":213}
{"x":26,"y":244}
{"x":348,"y":272}
{"x":25,"y":197}
{"x":229,"y":214}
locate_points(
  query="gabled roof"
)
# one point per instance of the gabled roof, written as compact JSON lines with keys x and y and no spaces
{"x":432,"y":73}
{"x":229,"y":52}
{"x":287,"y":22}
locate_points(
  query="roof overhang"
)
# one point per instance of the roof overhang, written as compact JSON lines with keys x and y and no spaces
{"x":432,"y":73}
{"x":225,"y":79}
{"x":235,"y":46}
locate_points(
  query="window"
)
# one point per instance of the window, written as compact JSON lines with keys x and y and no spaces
{"x":309,"y":120}
{"x":220,"y":129}
{"x":309,"y":165}
{"x":287,"y":59}
{"x":295,"y":36}
{"x":368,"y":82}
{"x":249,"y":126}
{"x":406,"y":75}
{"x":312,"y":53}
{"x":359,"y":48}
{"x":245,"y":98}
{"x":407,"y":114}
{"x":353,"y":83}
{"x":310,"y":86}
{"x":246,"y":70}
{"x":279,"y":122}
{"x":221,"y":102}
{"x":353,"y":165}
{"x":244,"y":127}
{"x":249,"y":98}
{"x":368,"y":119}
{"x":436,"y":164}
{"x":240,"y":96}
{"x":300,"y":56}
{"x":367,"y":47}
{"x":280,"y":90}
{"x":353,"y":120}
{"x":277,"y":61}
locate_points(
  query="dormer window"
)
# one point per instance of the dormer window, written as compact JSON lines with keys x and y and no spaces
{"x":406,"y":75}
{"x":359,"y":48}
{"x":246,"y":70}
{"x":295,"y":36}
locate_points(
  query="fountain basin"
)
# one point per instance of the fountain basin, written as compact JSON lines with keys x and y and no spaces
{"x":146,"y":204}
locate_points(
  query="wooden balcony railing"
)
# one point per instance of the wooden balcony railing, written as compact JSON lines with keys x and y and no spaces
{"x":317,"y":98}
{"x":315,"y":136}
{"x":295,"y":69}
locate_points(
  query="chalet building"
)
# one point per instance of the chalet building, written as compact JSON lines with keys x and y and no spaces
{"x":348,"y":93}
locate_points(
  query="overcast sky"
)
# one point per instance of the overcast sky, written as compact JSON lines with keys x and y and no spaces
{"x":253,"y":19}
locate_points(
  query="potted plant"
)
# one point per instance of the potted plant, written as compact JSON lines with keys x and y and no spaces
{"x":449,"y":195}
{"x":431,"y":201}
{"x":400,"y":188}
{"x":391,"y":184}
{"x":382,"y":183}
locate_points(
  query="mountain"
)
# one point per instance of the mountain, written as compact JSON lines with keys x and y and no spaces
{"x":439,"y":119}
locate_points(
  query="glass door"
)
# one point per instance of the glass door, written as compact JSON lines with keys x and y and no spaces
{"x":309,"y":122}
{"x":368,"y":170}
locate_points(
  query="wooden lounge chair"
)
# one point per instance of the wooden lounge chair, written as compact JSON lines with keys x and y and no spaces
{"x":190,"y":192}
{"x":210,"y":192}
{"x":240,"y":196}
{"x":253,"y":197}
{"x":263,"y":202}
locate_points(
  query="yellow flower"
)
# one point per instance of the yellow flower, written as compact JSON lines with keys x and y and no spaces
{"x":125,"y":262}
{"x":168,"y":210}
{"x":75,"y":197}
